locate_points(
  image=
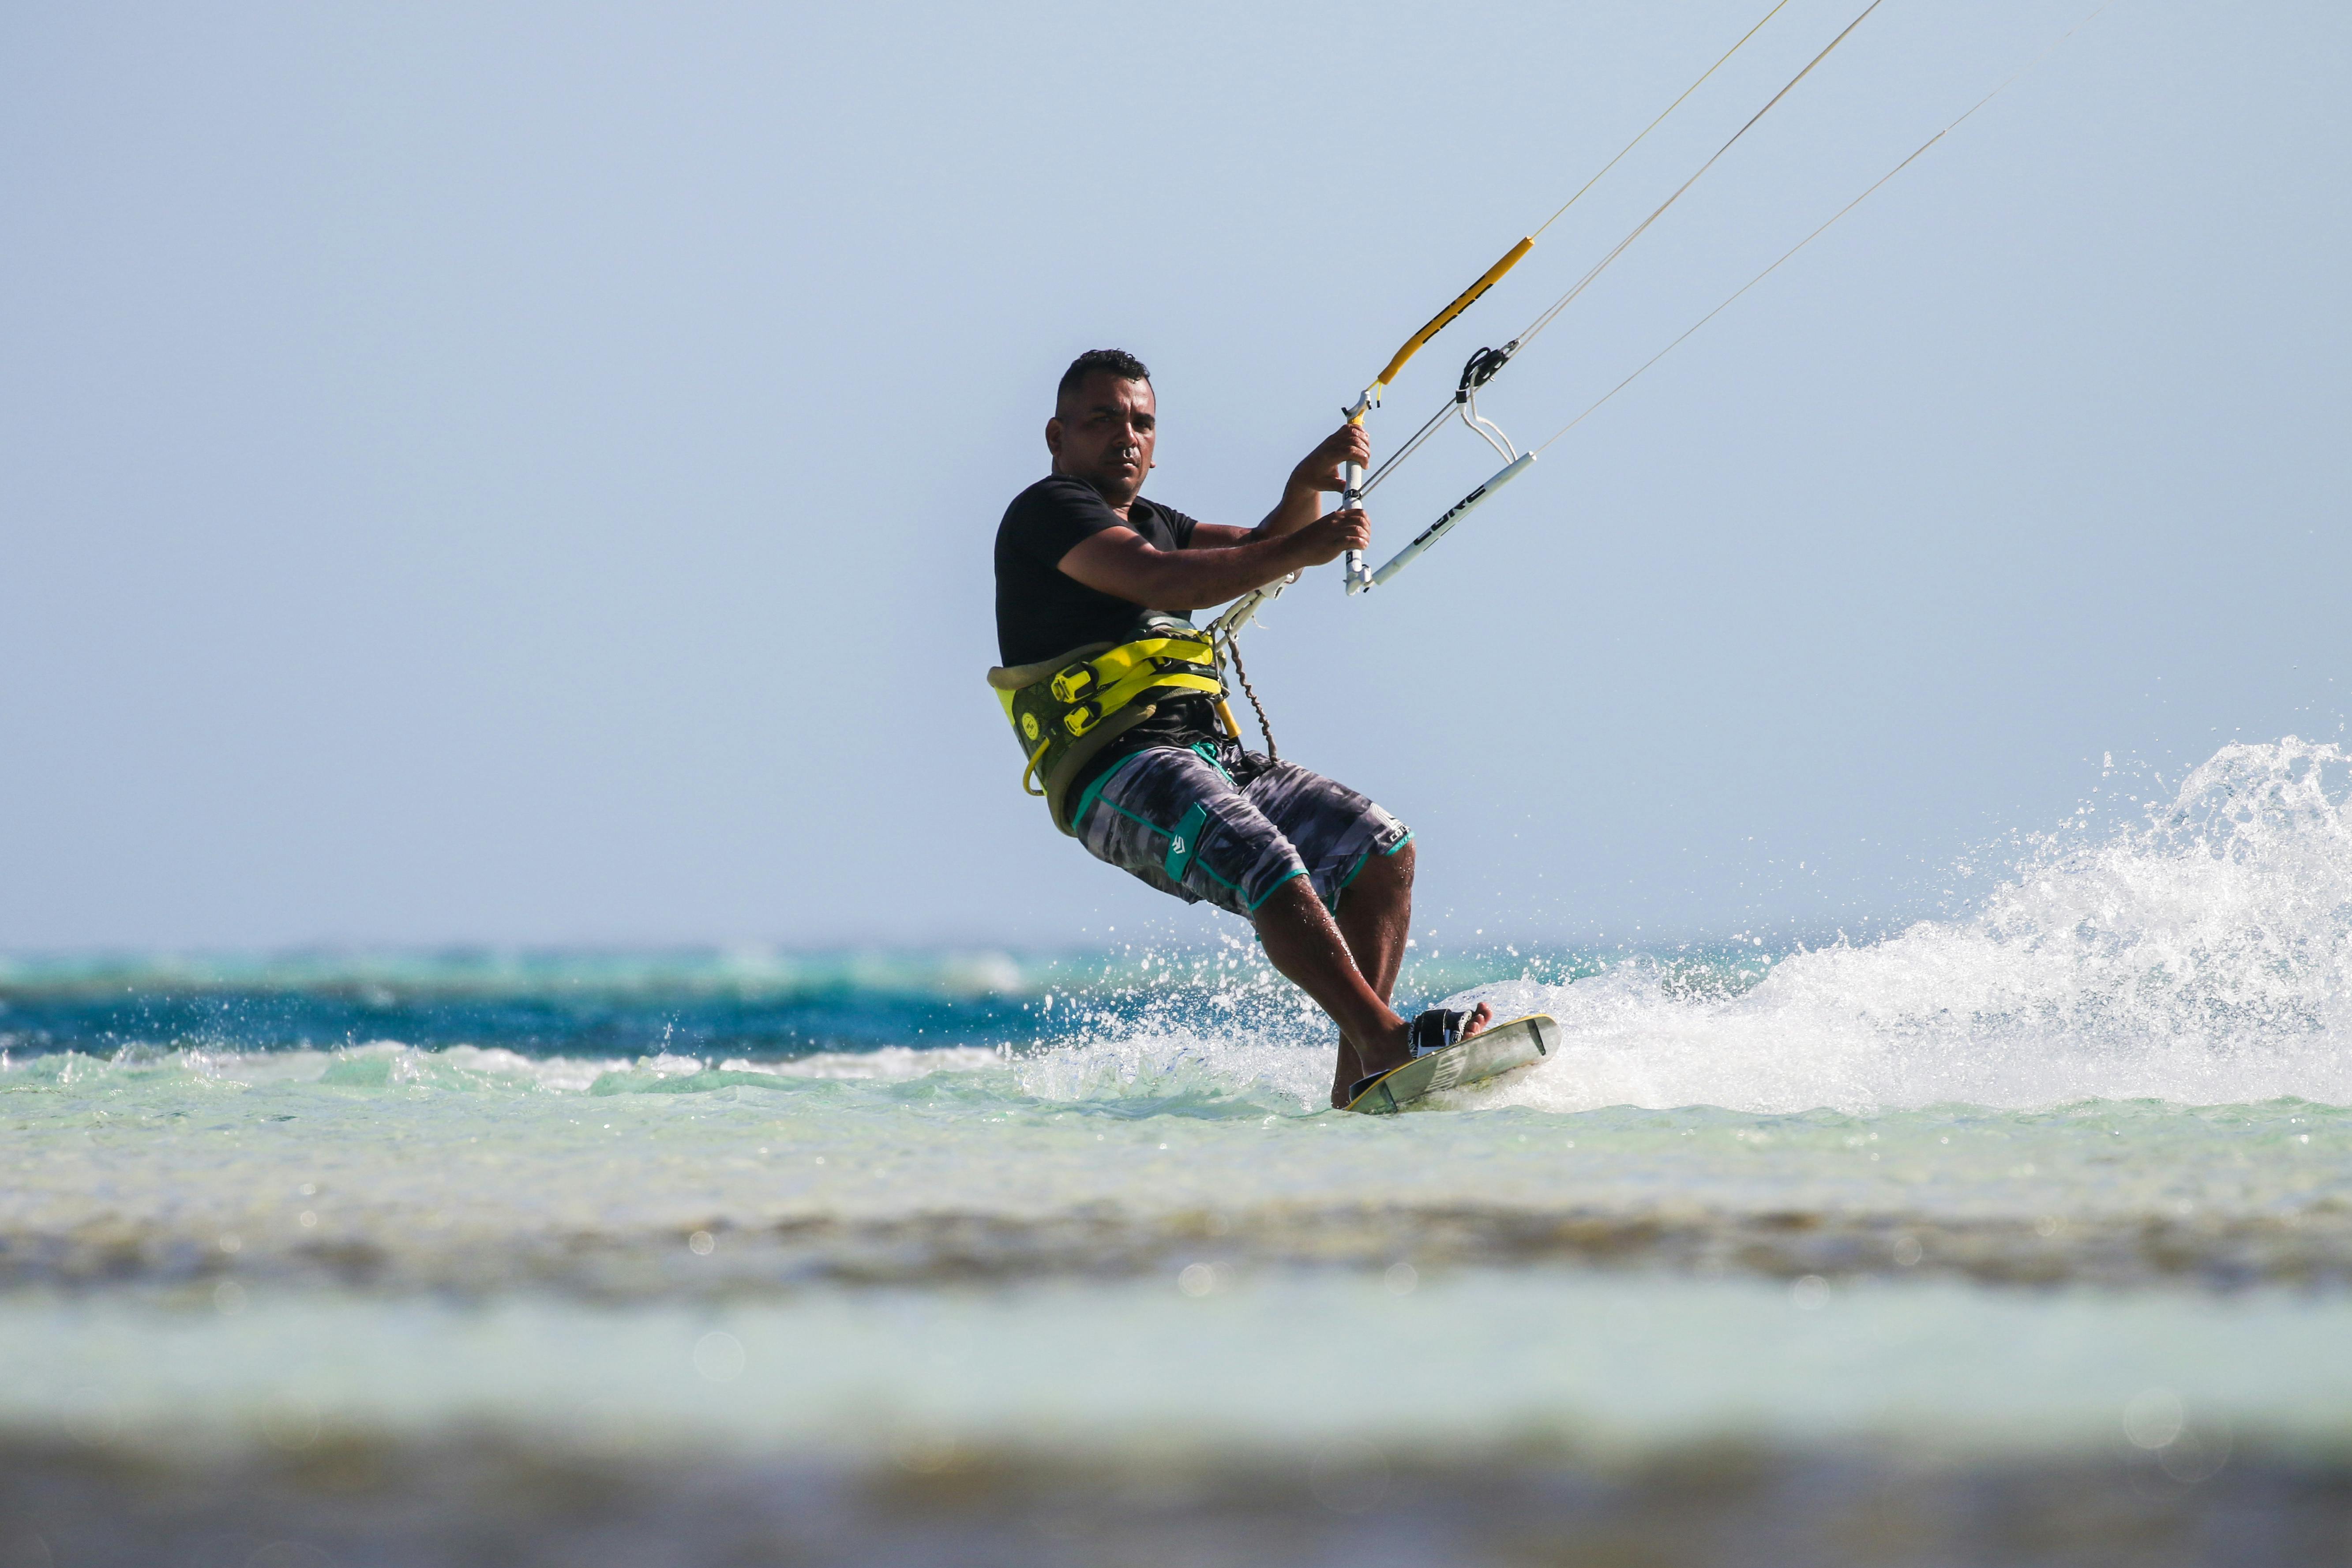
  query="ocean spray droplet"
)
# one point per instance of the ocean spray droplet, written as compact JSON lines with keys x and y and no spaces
{"x":228,"y":1297}
{"x":2153,"y":1418}
{"x":702,"y":1243}
{"x":309,"y":1220}
{"x":1907,"y":1250}
{"x":231,"y":1242}
{"x":1197,"y":1280}
{"x":291,"y":1422}
{"x":924,"y":1453}
{"x":1401,"y":1278}
{"x":1811,"y":1293}
{"x":718,"y":1356}
{"x":2198,"y":1453}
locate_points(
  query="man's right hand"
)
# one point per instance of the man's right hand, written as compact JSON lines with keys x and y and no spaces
{"x":1326,"y":536}
{"x":1123,"y":563}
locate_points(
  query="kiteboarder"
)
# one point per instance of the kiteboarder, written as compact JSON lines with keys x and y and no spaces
{"x":1119,"y":704}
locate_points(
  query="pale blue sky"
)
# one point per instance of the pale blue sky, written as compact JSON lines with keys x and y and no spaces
{"x":526,"y":474}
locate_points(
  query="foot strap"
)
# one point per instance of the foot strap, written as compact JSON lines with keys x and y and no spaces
{"x":1432,"y":1031}
{"x":1435,"y":1029}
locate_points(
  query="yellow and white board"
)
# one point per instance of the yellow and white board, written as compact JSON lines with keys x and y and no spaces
{"x":1489,"y":1054}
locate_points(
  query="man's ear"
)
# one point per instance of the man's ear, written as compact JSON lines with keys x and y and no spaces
{"x":1054,"y":436}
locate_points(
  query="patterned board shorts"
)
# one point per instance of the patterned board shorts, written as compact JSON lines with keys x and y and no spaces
{"x":1227,"y":825}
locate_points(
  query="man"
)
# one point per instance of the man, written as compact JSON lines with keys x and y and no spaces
{"x":1088,"y":570}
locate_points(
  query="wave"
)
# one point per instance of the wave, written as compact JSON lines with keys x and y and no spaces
{"x":393,"y":1064}
{"x":2204,"y":956}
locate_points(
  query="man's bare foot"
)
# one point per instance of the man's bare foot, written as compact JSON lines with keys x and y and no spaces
{"x":1396,"y":1049}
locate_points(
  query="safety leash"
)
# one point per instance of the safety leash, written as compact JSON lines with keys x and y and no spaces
{"x":1234,"y":648}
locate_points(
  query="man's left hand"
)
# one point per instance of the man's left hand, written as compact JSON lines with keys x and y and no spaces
{"x":1320,"y":469}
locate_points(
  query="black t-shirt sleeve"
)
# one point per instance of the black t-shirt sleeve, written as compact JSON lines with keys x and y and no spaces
{"x":1179,"y":526}
{"x":1050,"y":520}
{"x":1042,"y":612}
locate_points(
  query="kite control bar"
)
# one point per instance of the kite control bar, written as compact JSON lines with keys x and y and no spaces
{"x":1479,"y":371}
{"x":1454,"y":514}
{"x":1352,"y":564}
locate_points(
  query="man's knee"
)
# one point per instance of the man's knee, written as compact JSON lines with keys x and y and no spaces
{"x":1396,"y":867}
{"x":1291,"y":906}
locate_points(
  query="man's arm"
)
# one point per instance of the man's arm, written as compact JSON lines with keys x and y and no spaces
{"x":1121,"y":562}
{"x":1302,"y":495}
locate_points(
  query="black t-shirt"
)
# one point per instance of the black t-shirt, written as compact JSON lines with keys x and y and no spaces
{"x":1043,"y":612}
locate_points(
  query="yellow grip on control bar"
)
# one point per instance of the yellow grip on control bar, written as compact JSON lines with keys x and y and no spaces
{"x":1468,"y":298}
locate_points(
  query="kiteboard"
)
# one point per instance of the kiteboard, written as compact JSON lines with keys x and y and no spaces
{"x":1492,"y":1052}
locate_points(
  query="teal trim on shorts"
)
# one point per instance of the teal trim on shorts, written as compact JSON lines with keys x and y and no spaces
{"x":1208,"y":753}
{"x":1086,"y":797}
{"x":1261,"y":897}
{"x":1363,"y":860}
{"x":1187,"y":831}
{"x":1094,"y":789}
{"x":1184,"y":842}
{"x":1133,"y":817}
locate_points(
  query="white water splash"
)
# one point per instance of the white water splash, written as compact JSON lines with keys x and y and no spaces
{"x":2204,"y":957}
{"x":1250,"y":1032}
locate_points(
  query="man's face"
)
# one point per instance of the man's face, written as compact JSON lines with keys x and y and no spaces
{"x":1104,"y":434}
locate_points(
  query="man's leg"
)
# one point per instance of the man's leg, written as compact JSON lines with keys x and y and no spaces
{"x":1305,"y":943}
{"x":1238,"y":857}
{"x":1376,"y":916}
{"x":1349,"y":966}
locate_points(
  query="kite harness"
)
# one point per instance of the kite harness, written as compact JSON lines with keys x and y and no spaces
{"x":1065,"y":710}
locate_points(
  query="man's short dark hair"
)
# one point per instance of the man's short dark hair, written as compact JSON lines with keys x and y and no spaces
{"x":1104,"y":362}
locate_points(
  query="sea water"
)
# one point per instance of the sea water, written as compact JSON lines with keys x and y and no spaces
{"x":2022,"y":1235}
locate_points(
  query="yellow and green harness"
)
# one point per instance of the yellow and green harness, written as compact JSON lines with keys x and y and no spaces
{"x":1065,"y":710}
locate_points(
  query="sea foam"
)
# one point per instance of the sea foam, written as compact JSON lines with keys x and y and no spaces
{"x":2202,"y":956}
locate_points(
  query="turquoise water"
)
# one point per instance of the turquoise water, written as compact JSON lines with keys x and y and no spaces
{"x":2058,"y":1189}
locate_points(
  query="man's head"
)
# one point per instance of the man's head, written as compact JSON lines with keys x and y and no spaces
{"x":1105,"y":422}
